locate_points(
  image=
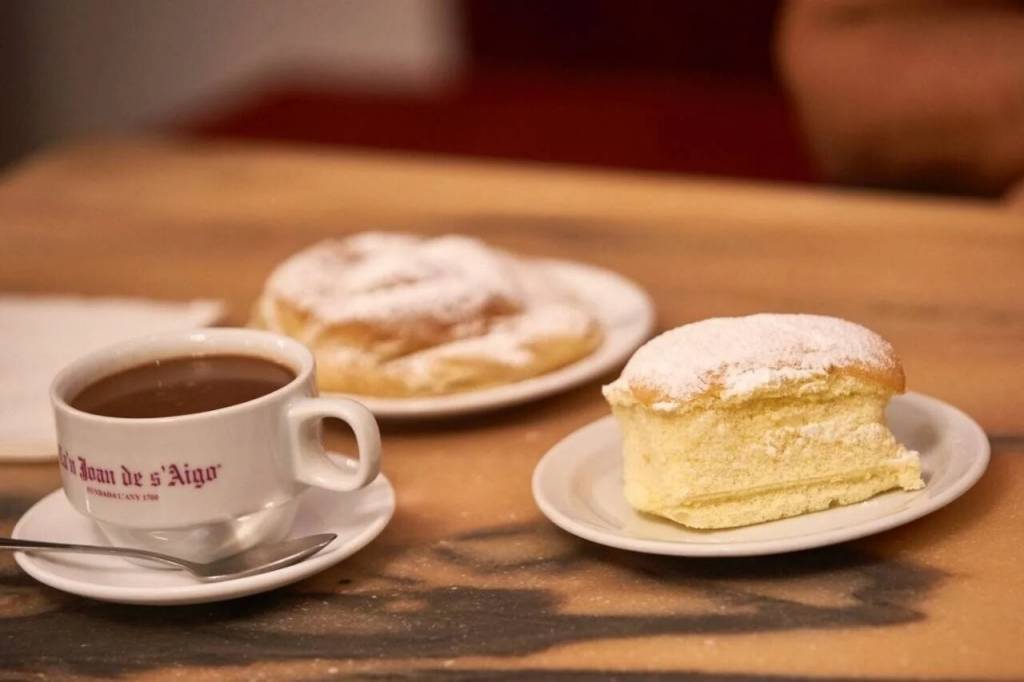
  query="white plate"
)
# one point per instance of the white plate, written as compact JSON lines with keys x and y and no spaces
{"x":578,"y":485}
{"x":626,"y":315}
{"x":357,"y":518}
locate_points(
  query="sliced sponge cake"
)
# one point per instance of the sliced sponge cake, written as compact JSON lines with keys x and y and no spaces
{"x":734,"y":421}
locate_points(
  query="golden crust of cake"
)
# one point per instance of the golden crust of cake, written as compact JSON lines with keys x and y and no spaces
{"x":735,"y":359}
{"x":398,"y":315}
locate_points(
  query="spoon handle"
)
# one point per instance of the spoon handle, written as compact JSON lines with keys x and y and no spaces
{"x":35,"y":545}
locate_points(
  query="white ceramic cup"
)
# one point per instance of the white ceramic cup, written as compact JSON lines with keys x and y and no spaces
{"x":209,"y":484}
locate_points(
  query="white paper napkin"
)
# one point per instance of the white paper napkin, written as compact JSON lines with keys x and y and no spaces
{"x":39,"y":335}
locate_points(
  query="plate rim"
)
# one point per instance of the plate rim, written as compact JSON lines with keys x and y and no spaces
{"x":532,"y":388}
{"x":200,"y":593}
{"x":976,"y":468}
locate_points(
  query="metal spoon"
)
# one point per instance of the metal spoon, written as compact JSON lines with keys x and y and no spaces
{"x":259,"y":559}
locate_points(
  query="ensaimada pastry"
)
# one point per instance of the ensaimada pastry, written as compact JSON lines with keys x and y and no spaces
{"x":398,"y":315}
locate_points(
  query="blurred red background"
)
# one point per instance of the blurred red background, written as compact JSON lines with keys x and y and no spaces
{"x":654,"y":85}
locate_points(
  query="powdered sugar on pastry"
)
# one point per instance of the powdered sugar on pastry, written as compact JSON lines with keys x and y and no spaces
{"x":396,"y":314}
{"x":742,"y":355}
{"x":397,"y":279}
{"x":510,"y":341}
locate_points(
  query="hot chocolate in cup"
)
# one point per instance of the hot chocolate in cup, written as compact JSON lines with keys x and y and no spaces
{"x":195,"y":468}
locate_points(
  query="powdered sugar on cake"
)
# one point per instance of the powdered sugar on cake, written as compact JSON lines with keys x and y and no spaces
{"x":741,"y":355}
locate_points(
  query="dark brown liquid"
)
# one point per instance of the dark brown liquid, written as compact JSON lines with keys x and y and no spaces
{"x":184,"y":385}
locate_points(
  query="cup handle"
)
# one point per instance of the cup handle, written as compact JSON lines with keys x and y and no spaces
{"x":309,"y":462}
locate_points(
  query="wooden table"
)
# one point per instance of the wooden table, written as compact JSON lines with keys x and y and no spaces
{"x":469,"y":581}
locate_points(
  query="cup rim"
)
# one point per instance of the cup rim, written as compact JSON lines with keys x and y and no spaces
{"x":297,"y":354}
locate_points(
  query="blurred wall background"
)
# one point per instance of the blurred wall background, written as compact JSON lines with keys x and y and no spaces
{"x":923,"y":96}
{"x":653,"y":84}
{"x":78,"y":67}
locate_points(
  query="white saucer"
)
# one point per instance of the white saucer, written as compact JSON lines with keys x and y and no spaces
{"x":625,"y":312}
{"x":357,"y":518}
{"x":578,"y":486}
